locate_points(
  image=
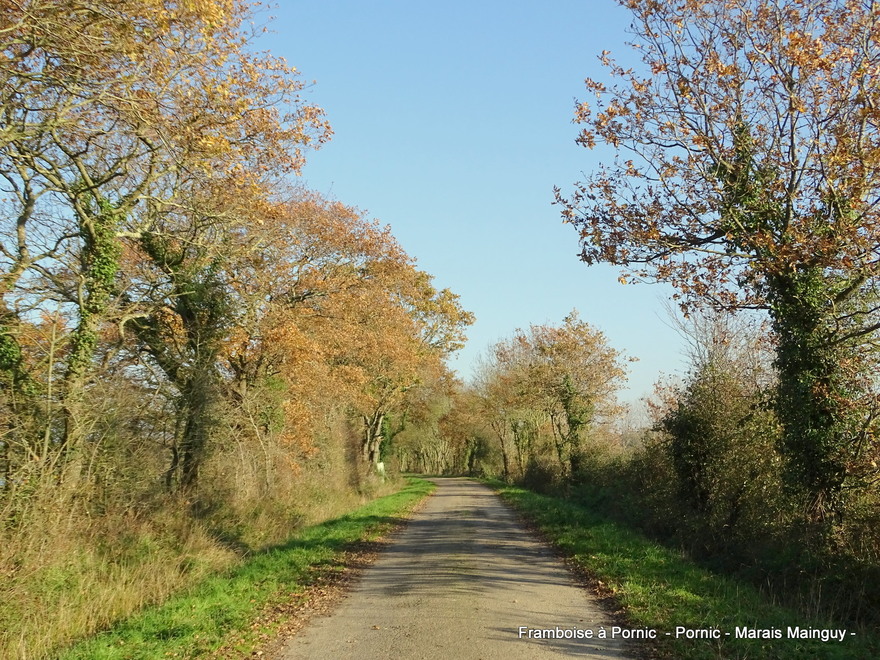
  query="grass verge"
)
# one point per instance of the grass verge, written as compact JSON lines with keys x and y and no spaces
{"x":227,"y":607}
{"x":662,"y":591}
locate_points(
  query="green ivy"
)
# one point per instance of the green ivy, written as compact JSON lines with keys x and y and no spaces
{"x":100,"y":264}
{"x":815,"y":393}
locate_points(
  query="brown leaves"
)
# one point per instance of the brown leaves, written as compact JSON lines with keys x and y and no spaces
{"x":791,"y":77}
{"x":545,"y":389}
{"x":336,"y":310}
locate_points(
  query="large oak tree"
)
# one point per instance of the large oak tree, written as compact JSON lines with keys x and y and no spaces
{"x":748,"y":175}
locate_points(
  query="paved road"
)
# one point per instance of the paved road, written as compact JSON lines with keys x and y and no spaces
{"x":458,"y":582}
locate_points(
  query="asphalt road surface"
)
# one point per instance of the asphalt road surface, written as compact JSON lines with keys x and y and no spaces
{"x":459,"y":582}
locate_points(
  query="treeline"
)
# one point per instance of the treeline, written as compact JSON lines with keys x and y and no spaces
{"x":541,"y":402}
{"x":196,"y":355}
{"x":706,"y":471}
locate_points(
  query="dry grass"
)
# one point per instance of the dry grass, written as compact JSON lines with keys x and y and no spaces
{"x":69,"y":575}
{"x":74,"y":568}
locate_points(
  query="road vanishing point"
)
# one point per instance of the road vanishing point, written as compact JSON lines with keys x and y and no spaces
{"x":462,"y":580}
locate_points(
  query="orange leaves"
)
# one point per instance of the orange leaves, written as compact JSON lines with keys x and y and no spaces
{"x":754,"y":121}
{"x":658,"y":66}
{"x":335,"y":309}
{"x":548,"y":386}
{"x":160,"y":123}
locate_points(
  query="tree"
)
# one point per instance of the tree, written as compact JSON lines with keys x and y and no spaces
{"x":333,"y":306}
{"x":118,"y":121}
{"x":506,"y":403}
{"x":577,"y":374}
{"x":423,"y":434}
{"x":396,"y":332}
{"x":719,"y":434}
{"x":185,"y":309}
{"x":562,"y":377}
{"x":750,"y":177}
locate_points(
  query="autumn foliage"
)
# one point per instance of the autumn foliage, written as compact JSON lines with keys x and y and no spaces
{"x":196,"y":355}
{"x":545,"y":394}
{"x":747,"y":175}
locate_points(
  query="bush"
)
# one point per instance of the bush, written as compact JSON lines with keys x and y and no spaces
{"x":720,"y":439}
{"x":542,"y":475}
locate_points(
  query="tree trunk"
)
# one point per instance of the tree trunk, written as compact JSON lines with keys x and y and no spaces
{"x":99,"y":258}
{"x":198,"y":397}
{"x":817,"y":392}
{"x":372,"y":437}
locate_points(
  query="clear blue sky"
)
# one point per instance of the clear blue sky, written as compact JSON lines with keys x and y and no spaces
{"x":452,"y":124}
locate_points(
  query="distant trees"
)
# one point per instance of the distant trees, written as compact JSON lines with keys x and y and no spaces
{"x":544,"y":390}
{"x":393,"y":331}
{"x":538,"y":404}
{"x":749,"y":176}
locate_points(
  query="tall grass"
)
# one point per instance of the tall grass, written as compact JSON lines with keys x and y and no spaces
{"x":72,"y":571}
{"x":67,"y":576}
{"x":224,"y":607}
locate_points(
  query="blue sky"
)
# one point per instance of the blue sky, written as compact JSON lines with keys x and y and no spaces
{"x":452,"y":124}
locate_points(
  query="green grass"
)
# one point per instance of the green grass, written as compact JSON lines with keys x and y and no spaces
{"x":661,"y":590}
{"x":224,"y":609}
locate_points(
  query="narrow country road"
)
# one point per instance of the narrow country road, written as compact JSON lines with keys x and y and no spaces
{"x":459,"y":582}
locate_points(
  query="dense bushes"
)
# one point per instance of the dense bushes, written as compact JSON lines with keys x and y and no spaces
{"x":709,"y":477}
{"x":720,"y":441}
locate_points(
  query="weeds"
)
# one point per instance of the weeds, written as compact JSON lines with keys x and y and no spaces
{"x":66,"y":574}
